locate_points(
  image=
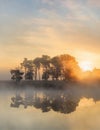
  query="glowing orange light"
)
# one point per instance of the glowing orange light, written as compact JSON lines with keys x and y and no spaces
{"x":86,"y":66}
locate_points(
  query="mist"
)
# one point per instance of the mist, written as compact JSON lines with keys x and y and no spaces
{"x":5,"y":75}
{"x":30,"y":107}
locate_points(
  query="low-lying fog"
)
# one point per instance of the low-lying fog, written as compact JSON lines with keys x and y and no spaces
{"x":74,"y":108}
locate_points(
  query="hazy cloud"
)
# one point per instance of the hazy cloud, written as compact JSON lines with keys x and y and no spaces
{"x":94,"y":3}
{"x":31,"y":28}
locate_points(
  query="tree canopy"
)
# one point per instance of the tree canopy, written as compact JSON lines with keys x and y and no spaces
{"x":62,"y":67}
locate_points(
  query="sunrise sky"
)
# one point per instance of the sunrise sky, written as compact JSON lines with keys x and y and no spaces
{"x":30,"y":28}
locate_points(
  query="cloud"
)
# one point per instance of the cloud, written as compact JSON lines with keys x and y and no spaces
{"x":63,"y":34}
{"x":49,"y":2}
{"x":95,"y":3}
{"x":67,"y":25}
{"x":80,"y":11}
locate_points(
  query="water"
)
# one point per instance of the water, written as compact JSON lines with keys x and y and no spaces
{"x":32,"y":109}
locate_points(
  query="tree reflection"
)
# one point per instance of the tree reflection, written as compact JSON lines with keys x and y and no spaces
{"x":58,"y":101}
{"x":16,"y":101}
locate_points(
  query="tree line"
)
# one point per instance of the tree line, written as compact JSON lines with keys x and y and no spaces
{"x":62,"y":67}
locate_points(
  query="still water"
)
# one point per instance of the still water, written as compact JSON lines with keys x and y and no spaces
{"x":32,"y":109}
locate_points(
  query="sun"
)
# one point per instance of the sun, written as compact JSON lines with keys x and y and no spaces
{"x":86,"y":66}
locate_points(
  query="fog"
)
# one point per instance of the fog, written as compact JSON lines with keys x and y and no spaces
{"x":5,"y":75}
{"x":75,"y":106}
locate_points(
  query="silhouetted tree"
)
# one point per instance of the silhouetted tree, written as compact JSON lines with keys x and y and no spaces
{"x":29,"y":68}
{"x":45,"y":75}
{"x":56,"y":68}
{"x":37,"y":62}
{"x":63,"y":67}
{"x":44,"y":63}
{"x":29,"y":75}
{"x":16,"y":75}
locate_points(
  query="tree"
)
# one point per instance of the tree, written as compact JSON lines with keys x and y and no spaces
{"x":55,"y":67}
{"x":37,"y":63}
{"x":28,"y":67}
{"x":45,"y":75}
{"x":69,"y":65}
{"x":64,"y":67}
{"x":42,"y":62}
{"x":29,"y":75}
{"x":16,"y":75}
{"x":45,"y":61}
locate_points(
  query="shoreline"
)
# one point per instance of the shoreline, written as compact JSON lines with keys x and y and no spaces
{"x":36,"y":84}
{"x":56,"y":84}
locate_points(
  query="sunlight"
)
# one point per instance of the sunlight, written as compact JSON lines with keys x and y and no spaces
{"x":84,"y":102}
{"x":86,"y":66}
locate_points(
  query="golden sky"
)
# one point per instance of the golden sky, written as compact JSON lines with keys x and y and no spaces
{"x":30,"y":28}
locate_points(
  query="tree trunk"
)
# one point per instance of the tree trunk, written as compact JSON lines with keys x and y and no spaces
{"x":36,"y":74}
{"x":39,"y":73}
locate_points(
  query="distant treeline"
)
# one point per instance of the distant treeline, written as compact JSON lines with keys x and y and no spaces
{"x":62,"y":67}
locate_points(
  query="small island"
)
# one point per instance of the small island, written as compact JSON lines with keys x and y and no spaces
{"x":55,"y":72}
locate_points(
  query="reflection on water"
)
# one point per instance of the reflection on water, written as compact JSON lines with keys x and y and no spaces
{"x":59,"y":101}
{"x":32,"y":109}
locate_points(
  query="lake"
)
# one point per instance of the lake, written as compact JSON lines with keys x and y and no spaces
{"x":48,"y":109}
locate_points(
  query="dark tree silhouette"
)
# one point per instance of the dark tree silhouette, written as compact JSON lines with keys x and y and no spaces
{"x":16,"y":75}
{"x":29,"y":68}
{"x":44,"y":63}
{"x":56,"y":68}
{"x":37,"y":63}
{"x":62,"y":67}
{"x":29,"y":75}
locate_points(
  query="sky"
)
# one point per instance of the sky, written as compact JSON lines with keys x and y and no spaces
{"x":31,"y":28}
